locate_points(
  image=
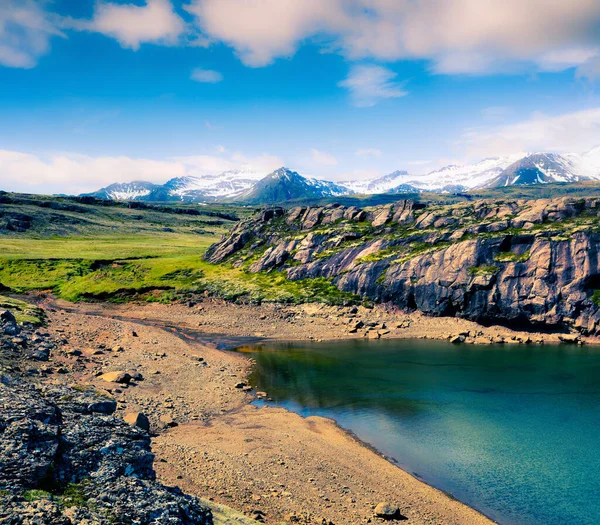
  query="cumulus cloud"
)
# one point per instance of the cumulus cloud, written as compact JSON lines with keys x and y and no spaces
{"x":457,"y":36}
{"x":368,"y":84}
{"x":368,"y":152}
{"x":571,"y":132}
{"x":323,"y":158}
{"x":132,"y":25}
{"x":207,"y":76}
{"x":262,"y":30}
{"x":74,"y":173}
{"x":25,"y":33}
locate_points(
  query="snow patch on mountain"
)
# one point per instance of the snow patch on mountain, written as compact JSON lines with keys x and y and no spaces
{"x":219,"y":185}
{"x":376,"y":185}
{"x":125,"y":191}
{"x":587,"y":164}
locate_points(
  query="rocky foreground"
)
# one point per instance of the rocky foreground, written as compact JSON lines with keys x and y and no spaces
{"x":528,"y":263}
{"x":64,"y":457}
{"x":161,"y":365}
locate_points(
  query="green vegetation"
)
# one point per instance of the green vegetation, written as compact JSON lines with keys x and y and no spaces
{"x":382,"y":254}
{"x":36,"y":494}
{"x":115,"y":253}
{"x":512,"y":257}
{"x":73,"y":495}
{"x":179,"y":269}
{"x":23,"y":312}
{"x":483,"y":270}
{"x":81,"y":249}
{"x":420,"y":248}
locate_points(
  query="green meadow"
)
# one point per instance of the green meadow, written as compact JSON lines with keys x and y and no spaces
{"x":159,"y":268}
{"x":112,"y":253}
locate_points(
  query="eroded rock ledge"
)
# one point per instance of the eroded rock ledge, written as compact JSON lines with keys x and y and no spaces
{"x":516,"y":261}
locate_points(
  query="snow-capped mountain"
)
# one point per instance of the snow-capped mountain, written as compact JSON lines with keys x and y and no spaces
{"x":124,"y":191}
{"x":538,"y":168}
{"x":284,"y":185}
{"x":189,"y":188}
{"x":220,"y":185}
{"x":452,"y":178}
{"x":467,"y":176}
{"x":587,"y":164}
{"x":378,"y":184}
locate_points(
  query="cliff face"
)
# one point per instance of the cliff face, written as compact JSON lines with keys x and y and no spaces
{"x":519,"y":261}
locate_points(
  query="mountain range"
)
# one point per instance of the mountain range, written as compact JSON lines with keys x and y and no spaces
{"x":283,"y":184}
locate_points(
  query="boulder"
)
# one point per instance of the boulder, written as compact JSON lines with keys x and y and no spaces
{"x":6,"y":316}
{"x":137,"y":419}
{"x":116,"y":377}
{"x":167,"y":421}
{"x":388,"y":511}
{"x":571,"y":339}
{"x":382,"y":217}
{"x":312,"y":218}
{"x":8,"y":323}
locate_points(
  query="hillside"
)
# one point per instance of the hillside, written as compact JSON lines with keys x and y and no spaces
{"x":43,"y":216}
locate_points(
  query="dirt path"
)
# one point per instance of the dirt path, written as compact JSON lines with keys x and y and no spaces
{"x":210,"y":441}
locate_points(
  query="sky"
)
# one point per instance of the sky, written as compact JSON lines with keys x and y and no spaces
{"x":94,"y":91}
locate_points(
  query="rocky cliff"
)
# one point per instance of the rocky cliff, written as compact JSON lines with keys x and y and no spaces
{"x":525,"y":262}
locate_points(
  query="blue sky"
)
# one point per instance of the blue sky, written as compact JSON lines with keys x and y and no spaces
{"x":93,"y":91}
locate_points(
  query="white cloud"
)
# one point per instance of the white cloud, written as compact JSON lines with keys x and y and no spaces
{"x":132,"y":25}
{"x":457,"y":36}
{"x":262,"y":30}
{"x":74,"y":173}
{"x":323,"y":158}
{"x":570,"y":132}
{"x":208,"y":76}
{"x":368,"y":84}
{"x":368,"y":152}
{"x":25,"y":33}
{"x":221,"y":149}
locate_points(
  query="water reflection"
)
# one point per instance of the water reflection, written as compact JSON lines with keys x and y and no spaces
{"x":513,"y":431}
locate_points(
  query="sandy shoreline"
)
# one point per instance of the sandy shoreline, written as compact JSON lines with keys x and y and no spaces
{"x":213,"y":443}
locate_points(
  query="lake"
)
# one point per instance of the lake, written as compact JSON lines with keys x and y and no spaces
{"x":513,"y":431}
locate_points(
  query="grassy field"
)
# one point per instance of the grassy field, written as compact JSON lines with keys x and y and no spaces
{"x":115,"y":253}
{"x":161,"y":268}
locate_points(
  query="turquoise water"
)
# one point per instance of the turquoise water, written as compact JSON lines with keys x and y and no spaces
{"x":512,"y":431}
